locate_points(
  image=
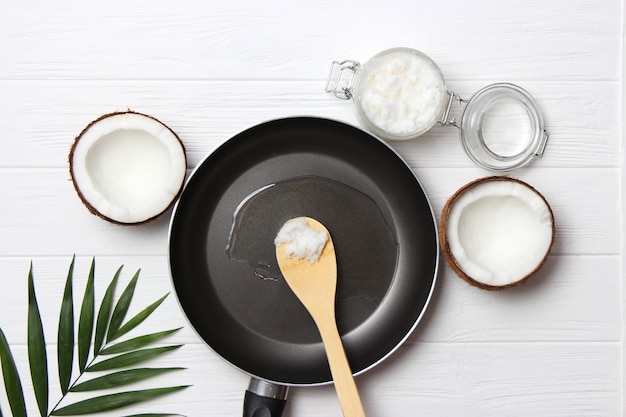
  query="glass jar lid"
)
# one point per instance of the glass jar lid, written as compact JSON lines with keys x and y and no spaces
{"x":501,"y":128}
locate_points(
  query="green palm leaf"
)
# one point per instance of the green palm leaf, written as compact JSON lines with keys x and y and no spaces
{"x":85,"y":323}
{"x":104,"y":314}
{"x":108,"y":327}
{"x":121,"y":308}
{"x":137,"y":342}
{"x":12,"y":383}
{"x":139,"y":318}
{"x":65,"y":335}
{"x":130,"y":359}
{"x":37,"y":357}
{"x":114,"y":401}
{"x":118,"y":379}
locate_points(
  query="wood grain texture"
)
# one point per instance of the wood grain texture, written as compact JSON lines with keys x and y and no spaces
{"x":549,"y":308}
{"x":553,"y":347}
{"x":50,"y":210}
{"x":44,"y":117}
{"x":277,"y":39}
{"x":520,"y":379}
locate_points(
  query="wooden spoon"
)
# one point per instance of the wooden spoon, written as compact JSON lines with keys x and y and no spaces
{"x":315,"y":285}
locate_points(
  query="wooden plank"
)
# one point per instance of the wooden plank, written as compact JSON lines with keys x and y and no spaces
{"x":495,"y":379}
{"x":513,"y":379}
{"x":252,"y":40}
{"x":41,"y":118}
{"x":549,"y":308}
{"x":53,"y":221}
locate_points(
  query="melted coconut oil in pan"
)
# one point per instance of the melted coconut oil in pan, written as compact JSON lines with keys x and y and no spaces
{"x":365,"y":243}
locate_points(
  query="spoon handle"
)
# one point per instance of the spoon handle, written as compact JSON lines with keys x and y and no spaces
{"x":345,"y":385}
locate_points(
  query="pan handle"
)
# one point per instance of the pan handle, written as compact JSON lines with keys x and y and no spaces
{"x":264,"y":399}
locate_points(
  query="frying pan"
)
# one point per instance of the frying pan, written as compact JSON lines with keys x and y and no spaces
{"x":222,"y":256}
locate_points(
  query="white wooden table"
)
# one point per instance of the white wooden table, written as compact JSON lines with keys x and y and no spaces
{"x":554,"y":347}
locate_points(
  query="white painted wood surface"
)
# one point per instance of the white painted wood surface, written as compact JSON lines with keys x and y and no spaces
{"x":554,"y":347}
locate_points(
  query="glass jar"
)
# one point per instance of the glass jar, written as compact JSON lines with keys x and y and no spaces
{"x":400,"y":94}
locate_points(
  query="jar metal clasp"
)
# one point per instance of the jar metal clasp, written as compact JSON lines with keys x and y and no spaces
{"x":445,"y":118}
{"x":341,"y":78}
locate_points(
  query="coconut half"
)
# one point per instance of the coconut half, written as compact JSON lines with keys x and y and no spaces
{"x":127,"y":167}
{"x":496,"y":232}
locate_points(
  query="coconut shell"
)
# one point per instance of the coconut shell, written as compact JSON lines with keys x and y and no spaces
{"x":443,"y":235}
{"x":84,"y":200}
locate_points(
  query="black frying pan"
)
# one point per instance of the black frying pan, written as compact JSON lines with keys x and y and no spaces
{"x":222,"y":256}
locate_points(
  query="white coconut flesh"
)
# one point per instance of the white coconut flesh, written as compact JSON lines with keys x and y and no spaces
{"x":128,"y":167}
{"x":499,"y":232}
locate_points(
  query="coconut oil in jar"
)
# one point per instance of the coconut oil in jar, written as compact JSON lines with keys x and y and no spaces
{"x":399,"y":93}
